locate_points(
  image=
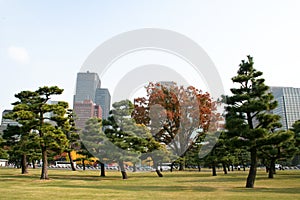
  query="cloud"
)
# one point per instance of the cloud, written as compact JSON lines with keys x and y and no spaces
{"x":18,"y":54}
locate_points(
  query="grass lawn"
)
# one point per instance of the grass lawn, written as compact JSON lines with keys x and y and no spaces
{"x":65,"y":184}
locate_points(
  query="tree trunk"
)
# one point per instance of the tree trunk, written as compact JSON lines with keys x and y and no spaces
{"x":271,"y":169}
{"x":199,"y":167}
{"x":83,"y":164}
{"x":224,"y":168}
{"x":158,"y":172}
{"x":44,"y":174}
{"x":253,"y":168}
{"x":33,"y":164}
{"x":232,"y":168}
{"x":102,"y":169}
{"x":24,"y":165}
{"x":71,"y":161}
{"x":181,"y":165}
{"x":214,"y":171}
{"x":134,"y":167}
{"x":123,"y":171}
{"x":228,"y":167}
{"x":172,"y":165}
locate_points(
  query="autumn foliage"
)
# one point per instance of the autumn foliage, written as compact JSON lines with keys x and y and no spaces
{"x":176,"y":116}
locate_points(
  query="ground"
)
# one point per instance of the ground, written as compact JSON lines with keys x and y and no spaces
{"x":64,"y":184}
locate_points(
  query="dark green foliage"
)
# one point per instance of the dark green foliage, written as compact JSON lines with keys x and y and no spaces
{"x":65,"y":121}
{"x":32,"y":112}
{"x":296,"y":130}
{"x":249,"y":120}
{"x":129,"y":139}
{"x":3,"y":151}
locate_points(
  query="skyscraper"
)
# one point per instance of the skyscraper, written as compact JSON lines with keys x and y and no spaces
{"x":86,"y":85}
{"x":102,"y":98}
{"x":288,"y":108}
{"x":6,"y":122}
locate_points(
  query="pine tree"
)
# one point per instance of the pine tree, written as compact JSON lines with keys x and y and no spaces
{"x":248,"y":118}
{"x":94,"y":142}
{"x":65,"y":121}
{"x":32,"y":109}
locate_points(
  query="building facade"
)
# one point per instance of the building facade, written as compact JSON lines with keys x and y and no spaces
{"x":85,"y":110}
{"x":102,"y":98}
{"x":6,"y":122}
{"x":288,"y":108}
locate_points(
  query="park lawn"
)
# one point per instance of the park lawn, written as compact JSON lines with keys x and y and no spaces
{"x":64,"y":184}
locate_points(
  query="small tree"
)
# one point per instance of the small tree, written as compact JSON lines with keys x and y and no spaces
{"x":296,"y":130}
{"x":93,"y":142}
{"x":282,"y":146}
{"x":22,"y":144}
{"x":3,"y":151}
{"x":66,"y":122}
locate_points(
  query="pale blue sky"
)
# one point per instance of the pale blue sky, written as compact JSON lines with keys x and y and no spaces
{"x":46,"y":42}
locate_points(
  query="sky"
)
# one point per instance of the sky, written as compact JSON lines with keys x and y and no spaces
{"x":44,"y":43}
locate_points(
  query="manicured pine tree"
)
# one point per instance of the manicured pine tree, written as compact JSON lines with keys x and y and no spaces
{"x":248,"y":119}
{"x":32,"y":108}
{"x":125,"y":135}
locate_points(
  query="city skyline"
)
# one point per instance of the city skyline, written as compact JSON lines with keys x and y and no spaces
{"x":39,"y":48}
{"x":90,"y":100}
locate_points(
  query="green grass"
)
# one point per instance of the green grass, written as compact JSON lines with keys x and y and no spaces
{"x":65,"y":184}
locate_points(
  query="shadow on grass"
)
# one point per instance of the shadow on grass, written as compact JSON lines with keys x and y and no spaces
{"x":139,"y":188}
{"x":295,"y":190}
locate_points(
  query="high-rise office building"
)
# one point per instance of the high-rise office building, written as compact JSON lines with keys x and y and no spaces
{"x":86,"y":85}
{"x":85,"y":110}
{"x":6,"y":122}
{"x":288,"y":108}
{"x":102,"y":98}
{"x":84,"y":98}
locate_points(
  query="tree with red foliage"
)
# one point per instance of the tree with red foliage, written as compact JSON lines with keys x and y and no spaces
{"x":176,"y":116}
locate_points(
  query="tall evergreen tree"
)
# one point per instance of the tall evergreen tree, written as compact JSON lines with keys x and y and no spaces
{"x":32,"y":109}
{"x":248,"y":119}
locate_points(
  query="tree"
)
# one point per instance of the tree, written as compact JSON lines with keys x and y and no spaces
{"x":282,"y":146}
{"x":176,"y":115}
{"x":296,"y":130}
{"x":248,"y":119}
{"x":3,"y":151}
{"x":66,"y":123}
{"x":22,"y":145}
{"x":94,"y":143}
{"x":125,"y":135}
{"x":32,"y":109}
